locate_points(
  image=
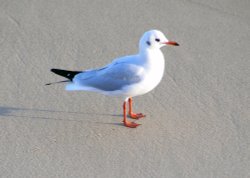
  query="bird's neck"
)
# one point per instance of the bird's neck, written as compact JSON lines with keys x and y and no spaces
{"x":151,"y":55}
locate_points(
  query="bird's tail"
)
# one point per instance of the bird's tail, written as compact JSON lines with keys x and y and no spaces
{"x":65,"y":73}
{"x":57,"y":82}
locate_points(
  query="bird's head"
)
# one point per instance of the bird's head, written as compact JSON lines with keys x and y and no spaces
{"x":154,"y":39}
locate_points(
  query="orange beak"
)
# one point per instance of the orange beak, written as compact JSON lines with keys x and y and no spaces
{"x":171,"y":43}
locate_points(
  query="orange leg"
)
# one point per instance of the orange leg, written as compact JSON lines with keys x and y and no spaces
{"x":130,"y":112}
{"x":125,"y":121}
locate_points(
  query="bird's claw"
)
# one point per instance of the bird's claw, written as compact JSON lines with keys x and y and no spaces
{"x":136,"y":116}
{"x":131,"y":124}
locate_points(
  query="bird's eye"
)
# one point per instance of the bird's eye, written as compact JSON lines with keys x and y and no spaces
{"x":157,"y":39}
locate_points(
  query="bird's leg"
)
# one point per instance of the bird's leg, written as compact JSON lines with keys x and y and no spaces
{"x":125,"y":121}
{"x":130,"y":112}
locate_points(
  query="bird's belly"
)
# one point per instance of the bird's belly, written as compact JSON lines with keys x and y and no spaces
{"x":149,"y":82}
{"x":152,"y":80}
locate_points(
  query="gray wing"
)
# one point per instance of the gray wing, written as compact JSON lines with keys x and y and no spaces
{"x":112,"y":77}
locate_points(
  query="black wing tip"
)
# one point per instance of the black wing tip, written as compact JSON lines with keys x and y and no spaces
{"x":65,"y":73}
{"x":54,"y":70}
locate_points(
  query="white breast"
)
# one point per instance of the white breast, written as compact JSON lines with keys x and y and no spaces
{"x":154,"y":65}
{"x":154,"y":70}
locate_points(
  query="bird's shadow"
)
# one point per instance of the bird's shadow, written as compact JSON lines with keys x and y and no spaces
{"x":74,"y":116}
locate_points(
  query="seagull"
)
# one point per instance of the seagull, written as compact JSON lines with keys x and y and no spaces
{"x":127,"y":76}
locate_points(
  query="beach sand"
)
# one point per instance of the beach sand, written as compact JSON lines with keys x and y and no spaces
{"x":198,"y":118}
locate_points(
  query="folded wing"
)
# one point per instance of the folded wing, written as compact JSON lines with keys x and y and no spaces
{"x":110,"y":78}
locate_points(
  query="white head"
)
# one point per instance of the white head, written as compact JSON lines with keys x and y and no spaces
{"x":154,"y":39}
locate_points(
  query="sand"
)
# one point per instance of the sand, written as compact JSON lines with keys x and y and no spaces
{"x":198,"y":118}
